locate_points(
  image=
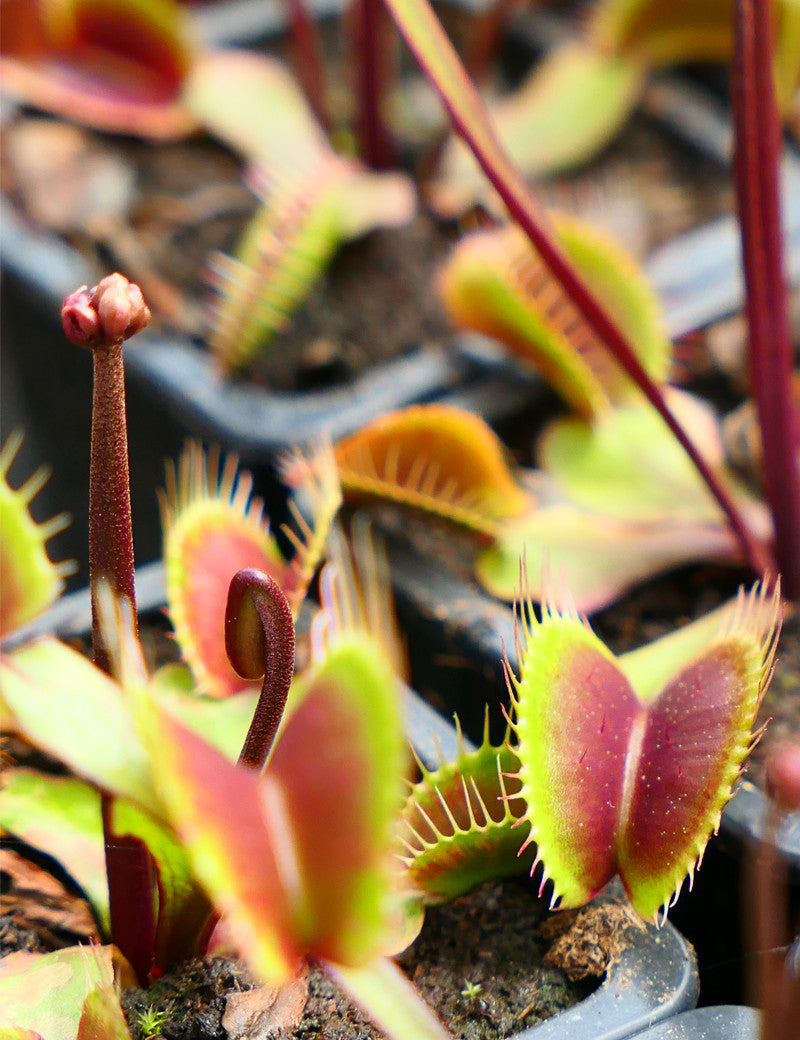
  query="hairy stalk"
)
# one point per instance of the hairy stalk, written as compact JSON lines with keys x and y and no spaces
{"x":369,"y":28}
{"x":259,"y":639}
{"x":101,"y":319}
{"x":757,"y":173}
{"x":441,"y":64}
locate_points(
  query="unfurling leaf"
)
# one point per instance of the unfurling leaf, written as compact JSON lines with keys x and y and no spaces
{"x":438,"y":459}
{"x":29,"y":582}
{"x":496,"y":283}
{"x":213,"y":527}
{"x":619,"y":783}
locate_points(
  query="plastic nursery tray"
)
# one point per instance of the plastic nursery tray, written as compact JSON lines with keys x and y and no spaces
{"x":655,"y":977}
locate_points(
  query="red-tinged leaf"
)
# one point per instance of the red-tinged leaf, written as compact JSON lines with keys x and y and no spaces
{"x":212,"y":529}
{"x":47,"y":993}
{"x":696,"y":740}
{"x":437,"y":458}
{"x":29,"y":582}
{"x":113,"y":66}
{"x":221,"y":814}
{"x":619,"y":783}
{"x":182,"y":910}
{"x":573,"y":715}
{"x":338,"y":764}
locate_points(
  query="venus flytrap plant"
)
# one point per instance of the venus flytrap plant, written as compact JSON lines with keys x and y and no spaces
{"x":613,"y":766}
{"x":293,"y":891}
{"x":62,"y":703}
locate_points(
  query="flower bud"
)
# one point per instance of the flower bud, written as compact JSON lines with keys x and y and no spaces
{"x":111,"y":311}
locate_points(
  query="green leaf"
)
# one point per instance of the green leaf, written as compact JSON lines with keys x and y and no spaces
{"x":459,"y":823}
{"x":48,"y":993}
{"x":29,"y":582}
{"x":496,"y":283}
{"x":569,"y":107}
{"x":596,"y":557}
{"x":252,"y":103}
{"x":60,"y":816}
{"x":628,"y":465}
{"x":64,"y":705}
{"x":389,"y":1000}
{"x":223,"y":723}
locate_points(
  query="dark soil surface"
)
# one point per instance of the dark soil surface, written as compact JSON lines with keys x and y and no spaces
{"x":493,"y":962}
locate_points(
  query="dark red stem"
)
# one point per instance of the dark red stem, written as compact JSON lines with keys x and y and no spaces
{"x":369,"y":28}
{"x":757,"y":171}
{"x":131,"y":881}
{"x":110,"y":530}
{"x":259,"y":639}
{"x":309,"y":59}
{"x":522,"y":207}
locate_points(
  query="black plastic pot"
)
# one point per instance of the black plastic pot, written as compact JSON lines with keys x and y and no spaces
{"x":655,"y":976}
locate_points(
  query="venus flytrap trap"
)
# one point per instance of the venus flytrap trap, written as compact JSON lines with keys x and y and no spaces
{"x":620,"y":482}
{"x":612,"y":766}
{"x":313,"y":200}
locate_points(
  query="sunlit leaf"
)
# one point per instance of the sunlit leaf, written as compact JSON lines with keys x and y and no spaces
{"x":390,"y":1000}
{"x":290,"y":884}
{"x":459,"y":825}
{"x":436,"y":458}
{"x":628,"y":465}
{"x":617,"y":784}
{"x":29,"y":582}
{"x":61,"y":817}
